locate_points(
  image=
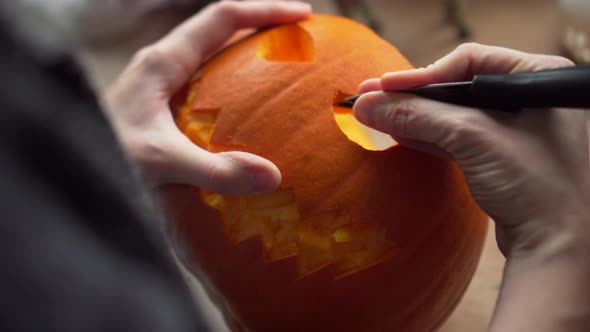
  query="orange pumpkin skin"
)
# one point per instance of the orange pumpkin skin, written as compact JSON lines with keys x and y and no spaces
{"x":368,"y":240}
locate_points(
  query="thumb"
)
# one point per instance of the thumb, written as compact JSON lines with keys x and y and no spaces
{"x":423,"y":124}
{"x":225,"y":173}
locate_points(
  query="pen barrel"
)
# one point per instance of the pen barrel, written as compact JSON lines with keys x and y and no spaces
{"x":566,"y":87}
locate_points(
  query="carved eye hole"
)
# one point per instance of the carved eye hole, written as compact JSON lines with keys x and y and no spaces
{"x":289,"y":43}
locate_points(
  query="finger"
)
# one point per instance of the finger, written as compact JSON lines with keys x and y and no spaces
{"x":472,"y":59}
{"x":201,"y":36}
{"x":438,"y":128}
{"x":238,"y":35}
{"x":225,"y":173}
{"x":427,"y":147}
{"x":372,"y":84}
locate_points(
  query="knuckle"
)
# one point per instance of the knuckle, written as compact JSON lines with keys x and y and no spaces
{"x":225,"y":176}
{"x":150,"y":59}
{"x":150,"y":155}
{"x":224,"y":10}
{"x":401,"y":117}
{"x":464,"y":52}
{"x":150,"y":152}
{"x":216,"y":173}
{"x":468,"y":47}
{"x":464,"y":130}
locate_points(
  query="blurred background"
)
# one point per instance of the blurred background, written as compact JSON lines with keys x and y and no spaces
{"x":423,"y":30}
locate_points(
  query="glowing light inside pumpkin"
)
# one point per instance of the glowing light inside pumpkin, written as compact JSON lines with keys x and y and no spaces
{"x":287,"y":43}
{"x":197,"y":124}
{"x":200,"y":127}
{"x":330,"y":238}
{"x":362,"y":135}
{"x":357,"y":132}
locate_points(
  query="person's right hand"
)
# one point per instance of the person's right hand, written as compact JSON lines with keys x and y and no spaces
{"x":529,"y":171}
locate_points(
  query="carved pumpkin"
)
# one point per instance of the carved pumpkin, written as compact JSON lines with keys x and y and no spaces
{"x":355,"y":239}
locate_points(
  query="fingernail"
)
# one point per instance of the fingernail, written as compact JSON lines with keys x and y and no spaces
{"x":370,"y":85}
{"x":264,"y":181}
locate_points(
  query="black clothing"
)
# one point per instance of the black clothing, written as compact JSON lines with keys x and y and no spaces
{"x":80,"y":246}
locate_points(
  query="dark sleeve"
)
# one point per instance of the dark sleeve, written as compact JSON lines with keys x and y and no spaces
{"x":80,"y":248}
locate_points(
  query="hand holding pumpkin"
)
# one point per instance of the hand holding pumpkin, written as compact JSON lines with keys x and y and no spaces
{"x":528,"y":171}
{"x":138,"y":102}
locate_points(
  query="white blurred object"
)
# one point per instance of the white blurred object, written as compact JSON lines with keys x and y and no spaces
{"x":575,"y":28}
{"x":50,"y":26}
{"x":46,"y":27}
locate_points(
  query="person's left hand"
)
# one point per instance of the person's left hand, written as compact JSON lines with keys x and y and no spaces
{"x":138,"y":102}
